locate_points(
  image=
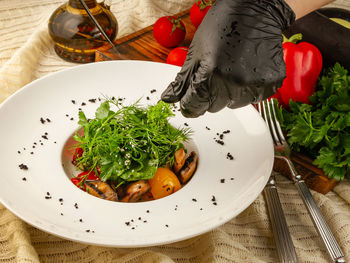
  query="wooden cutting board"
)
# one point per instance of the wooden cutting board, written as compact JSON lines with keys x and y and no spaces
{"x":141,"y":45}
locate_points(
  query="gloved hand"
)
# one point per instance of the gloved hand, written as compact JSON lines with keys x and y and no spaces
{"x":235,"y":58}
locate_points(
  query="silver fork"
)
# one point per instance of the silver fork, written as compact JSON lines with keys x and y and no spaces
{"x":282,"y":151}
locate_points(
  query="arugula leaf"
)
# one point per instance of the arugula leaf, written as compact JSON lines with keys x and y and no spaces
{"x":322,"y":128}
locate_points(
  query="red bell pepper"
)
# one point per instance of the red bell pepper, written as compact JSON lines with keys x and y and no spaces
{"x":79,"y":181}
{"x":303,"y":66}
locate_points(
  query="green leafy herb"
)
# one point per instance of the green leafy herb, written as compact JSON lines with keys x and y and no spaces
{"x":129,"y":143}
{"x":322,"y":129}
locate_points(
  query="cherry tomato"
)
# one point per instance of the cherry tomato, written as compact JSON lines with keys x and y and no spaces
{"x":164,"y":183}
{"x":169,"y":31}
{"x":199,"y":10}
{"x":77,"y":154}
{"x":177,"y":56}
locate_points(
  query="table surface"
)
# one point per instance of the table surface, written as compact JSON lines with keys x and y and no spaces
{"x":26,"y":53}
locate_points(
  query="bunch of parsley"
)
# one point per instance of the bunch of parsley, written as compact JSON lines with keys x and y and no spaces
{"x":322,"y":129}
{"x":129,"y":143}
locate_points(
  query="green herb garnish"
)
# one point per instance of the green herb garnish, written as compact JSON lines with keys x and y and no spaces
{"x":130,"y":143}
{"x":322,"y":129}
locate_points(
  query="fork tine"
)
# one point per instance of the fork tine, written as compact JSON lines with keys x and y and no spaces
{"x":278,"y":126}
{"x":270,"y":122}
{"x":262,"y":112}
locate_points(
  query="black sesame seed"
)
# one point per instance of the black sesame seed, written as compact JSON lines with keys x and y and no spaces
{"x":73,"y":101}
{"x":67,"y":115}
{"x":139,"y":218}
{"x":153,"y":90}
{"x":76,"y":206}
{"x":83,"y":104}
{"x":167,"y":225}
{"x":61,"y":199}
{"x":132,"y":220}
{"x":147,"y":98}
{"x":221,"y":136}
{"x":24,"y":179}
{"x":113,"y":98}
{"x":227,"y":131}
{"x":229,"y":156}
{"x":48,"y":193}
{"x":31,"y":152}
{"x":92,"y":100}
{"x":213,"y":199}
{"x":207,"y":128}
{"x":42,"y":120}
{"x":87,"y":230}
{"x":232,"y":178}
{"x":147,"y":211}
{"x":61,"y":214}
{"x":222,"y":181}
{"x":80,"y":220}
{"x":23,"y":166}
{"x":194,"y":199}
{"x":220,"y":142}
{"x":19,"y":152}
{"x":133,"y":228}
{"x":44,"y":137}
{"x":48,"y":120}
{"x":215,"y":203}
{"x":127,"y":223}
{"x":72,"y":119}
{"x":145,"y":221}
{"x":185,"y":124}
{"x":201,"y":209}
{"x":47,"y":197}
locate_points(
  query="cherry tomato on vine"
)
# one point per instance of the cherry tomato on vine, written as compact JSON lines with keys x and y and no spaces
{"x":177,"y":56}
{"x":199,"y":10}
{"x":169,"y":31}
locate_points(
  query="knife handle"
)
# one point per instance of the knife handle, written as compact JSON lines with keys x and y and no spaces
{"x":283,"y":240}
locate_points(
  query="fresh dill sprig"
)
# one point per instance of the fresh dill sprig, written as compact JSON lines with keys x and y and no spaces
{"x":129,"y":143}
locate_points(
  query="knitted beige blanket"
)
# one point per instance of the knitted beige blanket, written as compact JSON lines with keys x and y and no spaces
{"x":26,"y":53}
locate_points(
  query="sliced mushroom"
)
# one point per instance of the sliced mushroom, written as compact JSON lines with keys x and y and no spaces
{"x":101,"y":189}
{"x":134,"y":191}
{"x":180,"y":158}
{"x":188,"y":169}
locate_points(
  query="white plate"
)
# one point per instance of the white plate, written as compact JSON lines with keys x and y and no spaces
{"x":235,"y":184}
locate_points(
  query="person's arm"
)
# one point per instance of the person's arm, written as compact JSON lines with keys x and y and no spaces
{"x":302,"y":7}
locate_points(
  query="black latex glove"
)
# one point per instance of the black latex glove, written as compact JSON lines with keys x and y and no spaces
{"x":235,"y":58}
